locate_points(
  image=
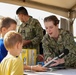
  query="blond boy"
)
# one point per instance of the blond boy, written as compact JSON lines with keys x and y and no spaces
{"x":12,"y":64}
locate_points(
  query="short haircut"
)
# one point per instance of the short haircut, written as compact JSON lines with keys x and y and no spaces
{"x":11,"y":38}
{"x":52,"y":18}
{"x":6,"y":22}
{"x":22,"y":10}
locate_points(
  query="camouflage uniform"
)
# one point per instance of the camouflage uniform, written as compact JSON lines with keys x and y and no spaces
{"x":53,"y":47}
{"x":31,"y":30}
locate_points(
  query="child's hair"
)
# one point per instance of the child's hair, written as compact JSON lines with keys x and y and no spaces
{"x":6,"y":22}
{"x":11,"y":38}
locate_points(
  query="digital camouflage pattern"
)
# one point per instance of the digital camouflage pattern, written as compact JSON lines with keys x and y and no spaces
{"x":31,"y":30}
{"x":53,"y":48}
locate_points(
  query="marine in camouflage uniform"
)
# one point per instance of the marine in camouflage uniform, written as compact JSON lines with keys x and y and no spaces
{"x":31,"y":30}
{"x":53,"y":47}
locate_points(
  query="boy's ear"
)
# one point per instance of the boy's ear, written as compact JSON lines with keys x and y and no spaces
{"x":3,"y":29}
{"x":17,"y":45}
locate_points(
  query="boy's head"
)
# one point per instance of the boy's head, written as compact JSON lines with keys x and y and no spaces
{"x":13,"y":42}
{"x":7,"y":24}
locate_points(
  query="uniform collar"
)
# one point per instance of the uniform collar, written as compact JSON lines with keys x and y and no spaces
{"x":28,"y":22}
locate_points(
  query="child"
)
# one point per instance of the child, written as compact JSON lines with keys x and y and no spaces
{"x":6,"y":25}
{"x":12,"y":64}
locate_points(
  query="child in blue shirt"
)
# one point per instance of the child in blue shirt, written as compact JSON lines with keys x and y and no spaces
{"x":6,"y":25}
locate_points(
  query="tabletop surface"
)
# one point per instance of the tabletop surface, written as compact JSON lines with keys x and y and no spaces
{"x":57,"y":72}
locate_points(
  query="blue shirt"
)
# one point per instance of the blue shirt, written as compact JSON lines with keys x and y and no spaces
{"x":3,"y":51}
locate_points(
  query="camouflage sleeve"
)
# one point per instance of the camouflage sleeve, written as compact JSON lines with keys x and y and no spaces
{"x":38,"y":33}
{"x":70,"y":59}
{"x":69,"y":41}
{"x":47,"y":51}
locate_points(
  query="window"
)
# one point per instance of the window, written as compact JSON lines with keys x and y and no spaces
{"x":74,"y":29}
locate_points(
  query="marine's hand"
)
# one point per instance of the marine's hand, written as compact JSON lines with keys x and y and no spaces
{"x":26,"y":42}
{"x":48,"y":59}
{"x":57,"y":62}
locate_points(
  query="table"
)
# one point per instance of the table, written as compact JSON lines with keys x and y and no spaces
{"x":57,"y":72}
